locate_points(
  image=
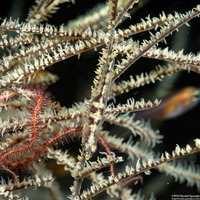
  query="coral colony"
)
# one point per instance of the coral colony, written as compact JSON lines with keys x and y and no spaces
{"x":35,"y":129}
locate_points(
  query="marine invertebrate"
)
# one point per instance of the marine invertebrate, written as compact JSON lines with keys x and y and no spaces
{"x":34,"y":47}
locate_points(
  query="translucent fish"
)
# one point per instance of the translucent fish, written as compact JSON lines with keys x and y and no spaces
{"x":174,"y":105}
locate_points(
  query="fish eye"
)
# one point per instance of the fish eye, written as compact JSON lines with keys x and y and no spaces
{"x":94,"y":148}
{"x":197,"y":95}
{"x":194,"y":98}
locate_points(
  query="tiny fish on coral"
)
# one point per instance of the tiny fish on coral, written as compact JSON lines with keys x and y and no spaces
{"x":173,"y":105}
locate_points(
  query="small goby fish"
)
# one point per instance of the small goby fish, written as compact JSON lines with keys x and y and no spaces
{"x":173,"y":105}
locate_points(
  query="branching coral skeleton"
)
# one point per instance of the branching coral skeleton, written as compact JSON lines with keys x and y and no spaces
{"x":33,"y":126}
